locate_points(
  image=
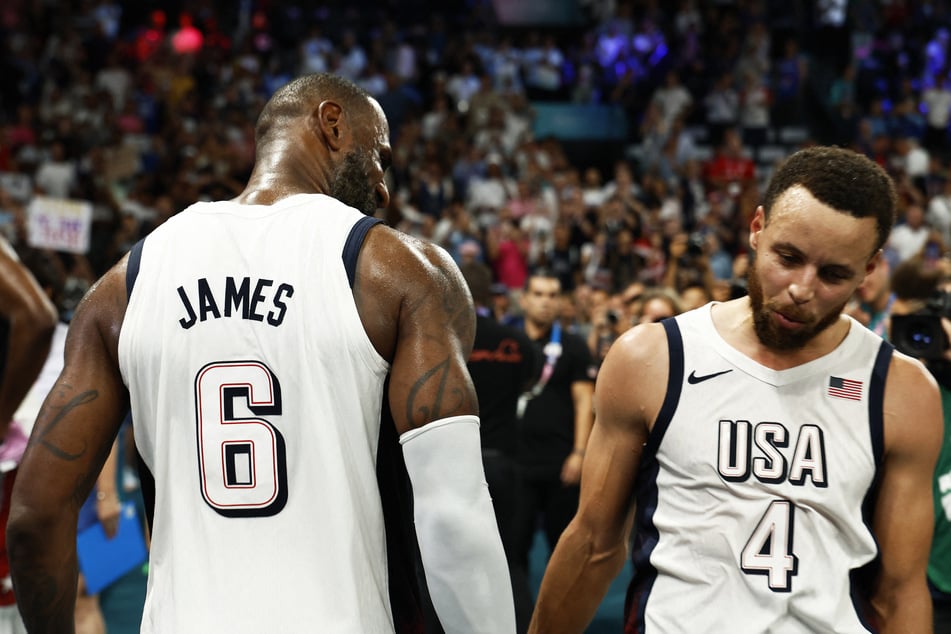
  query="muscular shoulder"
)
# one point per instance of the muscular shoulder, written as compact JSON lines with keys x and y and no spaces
{"x":912,"y":408}
{"x":403,"y":261}
{"x":401,"y":278}
{"x":640,"y":344}
{"x":632,"y":380}
{"x":98,"y":318}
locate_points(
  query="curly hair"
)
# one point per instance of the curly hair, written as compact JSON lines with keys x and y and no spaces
{"x":842,"y":179}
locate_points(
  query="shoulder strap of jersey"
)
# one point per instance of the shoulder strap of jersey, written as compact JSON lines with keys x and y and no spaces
{"x":132,"y":268}
{"x":351,"y":248}
{"x":876,"y":399}
{"x":675,"y":380}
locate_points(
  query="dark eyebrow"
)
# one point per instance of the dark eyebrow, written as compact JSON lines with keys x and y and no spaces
{"x":787,"y":246}
{"x":840,"y":269}
{"x":386,"y":157}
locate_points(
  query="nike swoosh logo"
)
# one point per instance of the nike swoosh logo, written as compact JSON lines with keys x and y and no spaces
{"x":693,"y":378}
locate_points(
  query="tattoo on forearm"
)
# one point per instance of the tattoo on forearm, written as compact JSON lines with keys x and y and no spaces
{"x":426,"y":401}
{"x":39,"y":437}
{"x":46,"y":604}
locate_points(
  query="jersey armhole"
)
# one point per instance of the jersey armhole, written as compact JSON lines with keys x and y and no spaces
{"x":876,"y":400}
{"x":351,"y":248}
{"x":675,"y":380}
{"x":132,"y":267}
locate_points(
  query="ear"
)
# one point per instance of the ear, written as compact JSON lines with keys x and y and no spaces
{"x":329,"y":115}
{"x":756,"y":225}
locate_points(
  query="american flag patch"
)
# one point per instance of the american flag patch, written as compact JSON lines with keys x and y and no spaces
{"x":845,"y":388}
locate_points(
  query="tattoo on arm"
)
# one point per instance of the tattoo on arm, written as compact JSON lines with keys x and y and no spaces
{"x":45,"y":591}
{"x":42,"y":600}
{"x":453,"y":306}
{"x":85,"y":482}
{"x":39,"y":438}
{"x":449,"y":303}
{"x":427,"y":410}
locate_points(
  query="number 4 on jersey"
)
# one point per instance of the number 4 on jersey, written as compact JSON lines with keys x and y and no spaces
{"x":769,"y":549}
{"x":241,"y":458}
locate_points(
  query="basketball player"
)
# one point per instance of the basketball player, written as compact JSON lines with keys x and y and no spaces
{"x":252,"y":338}
{"x":771,"y":446}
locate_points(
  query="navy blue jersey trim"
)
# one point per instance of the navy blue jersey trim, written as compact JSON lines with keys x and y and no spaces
{"x":861,"y":580}
{"x":645,"y":540}
{"x":132,"y":268}
{"x":675,"y":381}
{"x":646,"y":535}
{"x":876,"y":400}
{"x":146,"y":478}
{"x":351,"y":249}
{"x":408,"y":594}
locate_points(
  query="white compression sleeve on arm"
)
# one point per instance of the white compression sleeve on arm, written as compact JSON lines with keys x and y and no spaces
{"x":459,"y":541}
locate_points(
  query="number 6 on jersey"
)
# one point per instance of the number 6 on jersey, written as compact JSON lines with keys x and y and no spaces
{"x":241,"y":457}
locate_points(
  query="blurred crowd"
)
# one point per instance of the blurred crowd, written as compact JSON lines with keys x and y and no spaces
{"x":142,"y":108}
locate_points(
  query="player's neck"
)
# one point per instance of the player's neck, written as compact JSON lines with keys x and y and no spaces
{"x":734,"y":323}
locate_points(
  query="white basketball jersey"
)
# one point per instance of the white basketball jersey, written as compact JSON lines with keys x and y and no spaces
{"x":751,"y":488}
{"x":256,"y":398}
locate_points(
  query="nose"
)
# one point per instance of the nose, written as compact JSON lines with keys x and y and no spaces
{"x":382,"y":195}
{"x":803,"y":288}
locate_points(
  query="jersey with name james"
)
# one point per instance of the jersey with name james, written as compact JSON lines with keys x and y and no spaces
{"x":752,"y":490}
{"x":256,"y":398}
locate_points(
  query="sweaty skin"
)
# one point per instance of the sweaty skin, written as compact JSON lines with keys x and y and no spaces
{"x":411,"y":299}
{"x":810,"y":258}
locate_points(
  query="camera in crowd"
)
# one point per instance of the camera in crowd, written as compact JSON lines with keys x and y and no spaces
{"x":695,"y":244}
{"x":920,"y":334}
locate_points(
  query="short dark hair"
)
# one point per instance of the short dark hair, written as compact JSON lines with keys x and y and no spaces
{"x":913,"y":280}
{"x":842,"y":179}
{"x":299,"y":96}
{"x":540,"y":272}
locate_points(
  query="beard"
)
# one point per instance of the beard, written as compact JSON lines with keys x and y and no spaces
{"x":770,"y":333}
{"x":350,"y":182}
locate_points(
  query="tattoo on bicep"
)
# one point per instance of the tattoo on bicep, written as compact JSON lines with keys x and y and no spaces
{"x":429,"y":398}
{"x":39,"y":436}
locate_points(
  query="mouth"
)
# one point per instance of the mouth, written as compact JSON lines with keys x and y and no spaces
{"x":789,"y":320}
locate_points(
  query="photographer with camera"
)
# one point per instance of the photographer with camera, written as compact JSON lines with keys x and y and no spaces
{"x":687,"y":262}
{"x":921,"y":327}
